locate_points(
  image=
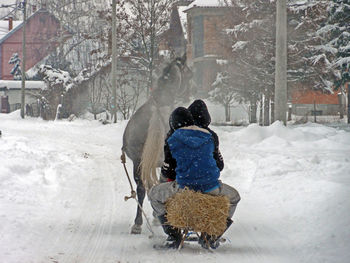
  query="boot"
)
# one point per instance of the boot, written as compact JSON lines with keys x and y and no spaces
{"x":174,"y":234}
{"x":206,"y":240}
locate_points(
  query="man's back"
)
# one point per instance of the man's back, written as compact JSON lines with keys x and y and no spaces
{"x":193,"y":147}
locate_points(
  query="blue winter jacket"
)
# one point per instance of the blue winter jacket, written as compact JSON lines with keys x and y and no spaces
{"x":192,"y":148}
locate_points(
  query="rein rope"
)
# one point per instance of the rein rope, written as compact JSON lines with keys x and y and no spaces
{"x":133,"y":193}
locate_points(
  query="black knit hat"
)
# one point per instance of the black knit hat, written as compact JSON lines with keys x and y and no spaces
{"x":200,"y":113}
{"x":180,"y":117}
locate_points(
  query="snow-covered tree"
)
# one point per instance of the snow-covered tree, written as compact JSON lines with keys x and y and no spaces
{"x":58,"y":82}
{"x":326,"y":56}
{"x":16,"y":70}
{"x":309,"y":60}
{"x":337,"y":32}
{"x":252,"y":37}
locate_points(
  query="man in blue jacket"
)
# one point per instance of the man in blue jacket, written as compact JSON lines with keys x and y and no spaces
{"x":192,"y":147}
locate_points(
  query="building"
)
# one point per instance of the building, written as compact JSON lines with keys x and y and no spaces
{"x":206,"y":43}
{"x":316,"y":102}
{"x":173,"y":41}
{"x":91,"y":94}
{"x":10,"y":94}
{"x":42,"y":32}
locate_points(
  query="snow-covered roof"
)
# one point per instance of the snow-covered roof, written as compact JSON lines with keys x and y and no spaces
{"x":206,"y":3}
{"x":183,"y":19}
{"x":17,"y":84}
{"x":4,"y":27}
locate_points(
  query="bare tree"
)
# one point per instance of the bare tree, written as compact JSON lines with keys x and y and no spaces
{"x":148,"y":20}
{"x":223,"y":93}
{"x":77,"y":22}
{"x":128,"y":94}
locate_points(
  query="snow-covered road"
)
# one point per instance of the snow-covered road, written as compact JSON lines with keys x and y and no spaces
{"x":62,"y":190}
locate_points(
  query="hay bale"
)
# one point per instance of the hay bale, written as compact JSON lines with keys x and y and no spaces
{"x":198,"y":212}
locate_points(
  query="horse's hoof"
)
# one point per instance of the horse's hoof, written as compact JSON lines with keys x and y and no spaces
{"x":136,"y":229}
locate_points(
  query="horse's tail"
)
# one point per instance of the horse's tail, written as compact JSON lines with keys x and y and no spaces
{"x":152,"y":150}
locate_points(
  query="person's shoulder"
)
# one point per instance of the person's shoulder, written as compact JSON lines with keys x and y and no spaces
{"x":211,"y":131}
{"x":215,"y":136}
{"x":170,"y":132}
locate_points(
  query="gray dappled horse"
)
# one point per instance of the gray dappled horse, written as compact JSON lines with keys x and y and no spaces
{"x":143,"y":138}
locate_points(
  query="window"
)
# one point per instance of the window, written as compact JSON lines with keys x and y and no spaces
{"x":198,"y":36}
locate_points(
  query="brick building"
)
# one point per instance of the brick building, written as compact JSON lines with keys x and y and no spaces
{"x":307,"y":101}
{"x":42,"y":31}
{"x":206,"y":43}
{"x":172,"y":41}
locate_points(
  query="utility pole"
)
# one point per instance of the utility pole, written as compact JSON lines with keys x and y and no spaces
{"x":114,"y":63}
{"x":23,"y":58}
{"x":281,"y":62}
{"x":348,"y":113}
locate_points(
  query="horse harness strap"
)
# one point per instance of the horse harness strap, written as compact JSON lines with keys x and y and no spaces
{"x":133,"y":193}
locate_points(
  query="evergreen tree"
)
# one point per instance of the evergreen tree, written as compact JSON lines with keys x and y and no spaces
{"x":308,"y":61}
{"x":16,"y":70}
{"x":339,"y":38}
{"x":58,"y":82}
{"x":252,"y":65}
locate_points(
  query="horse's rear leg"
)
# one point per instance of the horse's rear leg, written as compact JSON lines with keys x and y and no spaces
{"x":140,"y":190}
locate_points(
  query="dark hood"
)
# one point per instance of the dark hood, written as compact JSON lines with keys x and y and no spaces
{"x":200,"y":113}
{"x":180,"y":117}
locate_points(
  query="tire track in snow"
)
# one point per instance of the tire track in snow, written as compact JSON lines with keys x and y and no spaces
{"x":94,"y":225}
{"x":83,"y":231}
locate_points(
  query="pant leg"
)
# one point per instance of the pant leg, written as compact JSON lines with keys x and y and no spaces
{"x":231,"y":193}
{"x":159,"y":194}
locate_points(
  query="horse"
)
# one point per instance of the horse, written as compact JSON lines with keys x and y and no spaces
{"x":144,"y":135}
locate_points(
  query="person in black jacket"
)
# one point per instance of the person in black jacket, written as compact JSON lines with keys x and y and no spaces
{"x":202,"y":119}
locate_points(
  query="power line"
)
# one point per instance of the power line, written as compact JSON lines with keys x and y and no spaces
{"x":4,"y":6}
{"x":16,"y":7}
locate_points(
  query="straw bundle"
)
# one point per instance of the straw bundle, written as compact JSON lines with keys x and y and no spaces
{"x":199,"y":212}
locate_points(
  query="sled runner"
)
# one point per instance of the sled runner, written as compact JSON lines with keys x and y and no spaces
{"x":190,"y":238}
